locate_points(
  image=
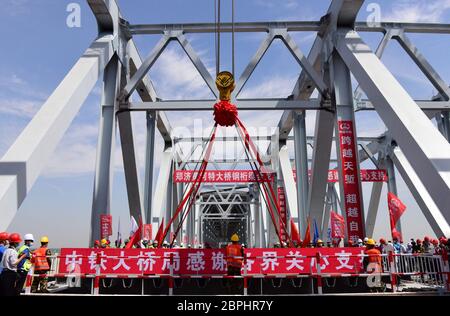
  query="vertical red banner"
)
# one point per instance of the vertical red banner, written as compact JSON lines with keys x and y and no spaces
{"x":337,"y":225}
{"x":351,"y":188}
{"x":283,"y":213}
{"x":105,"y":226}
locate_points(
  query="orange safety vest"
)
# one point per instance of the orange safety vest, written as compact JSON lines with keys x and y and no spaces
{"x":40,"y":259}
{"x":233,"y":251}
{"x":374,"y":255}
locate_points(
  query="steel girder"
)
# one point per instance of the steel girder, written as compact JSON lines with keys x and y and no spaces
{"x":435,"y":216}
{"x":104,"y":167}
{"x":427,"y":150}
{"x":25,"y":159}
{"x":291,"y":26}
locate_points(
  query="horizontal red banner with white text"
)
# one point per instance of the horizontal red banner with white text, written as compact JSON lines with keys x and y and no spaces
{"x":209,"y":261}
{"x":245,"y":176}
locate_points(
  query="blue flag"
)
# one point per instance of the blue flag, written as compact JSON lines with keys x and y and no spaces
{"x":316,"y":232}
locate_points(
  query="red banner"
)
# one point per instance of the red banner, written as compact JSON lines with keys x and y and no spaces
{"x":246,"y":176}
{"x":210,"y":261}
{"x":352,"y":194}
{"x":283,"y":213}
{"x":220,"y":176}
{"x":105,"y":226}
{"x":337,"y":225}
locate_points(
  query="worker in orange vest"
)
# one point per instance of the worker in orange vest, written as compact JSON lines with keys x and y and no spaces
{"x":373,"y":255}
{"x":42,"y":265}
{"x":235,"y":255}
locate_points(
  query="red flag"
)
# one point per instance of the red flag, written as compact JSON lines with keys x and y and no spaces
{"x":337,"y":225}
{"x":396,"y":209}
{"x":136,"y":237}
{"x":295,"y":235}
{"x":159,"y":233}
{"x":307,"y":239}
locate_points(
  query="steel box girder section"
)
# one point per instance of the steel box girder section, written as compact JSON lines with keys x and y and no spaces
{"x":426,"y":149}
{"x":25,"y":159}
{"x":291,"y":26}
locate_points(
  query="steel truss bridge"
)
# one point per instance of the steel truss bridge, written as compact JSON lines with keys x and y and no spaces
{"x":413,"y":145}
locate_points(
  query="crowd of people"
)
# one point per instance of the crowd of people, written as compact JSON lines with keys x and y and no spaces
{"x":16,"y":262}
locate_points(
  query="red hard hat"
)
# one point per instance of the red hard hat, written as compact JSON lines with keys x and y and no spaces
{"x":382,"y":241}
{"x":97,"y":242}
{"x":426,"y":238}
{"x":418,"y":241}
{"x":4,"y":236}
{"x":443,"y":239}
{"x":435,"y":242}
{"x":15,"y":237}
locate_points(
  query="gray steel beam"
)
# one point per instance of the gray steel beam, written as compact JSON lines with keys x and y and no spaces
{"x":159,"y":198}
{"x":130,"y":165}
{"x":243,"y":105}
{"x":288,"y":181}
{"x":198,"y":64}
{"x":301,"y":168}
{"x":427,"y":150}
{"x":434,"y":215}
{"x":343,"y":98}
{"x":104,"y":166}
{"x":25,"y":159}
{"x":425,"y":105}
{"x":145,"y":67}
{"x":262,"y":49}
{"x":291,"y":26}
{"x":149,"y":158}
{"x":320,"y":163}
{"x":379,"y":52}
{"x":374,"y":204}
{"x":424,"y":65}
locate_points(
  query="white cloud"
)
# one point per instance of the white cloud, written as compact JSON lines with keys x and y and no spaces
{"x":274,"y":87}
{"x":175,"y":77}
{"x":19,"y":107}
{"x":431,"y":11}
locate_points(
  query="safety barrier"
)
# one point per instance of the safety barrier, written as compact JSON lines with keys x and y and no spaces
{"x":430,"y":270}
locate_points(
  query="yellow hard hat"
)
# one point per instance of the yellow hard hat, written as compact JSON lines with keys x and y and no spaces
{"x":319,"y":241}
{"x":104,"y":241}
{"x":44,"y":239}
{"x":371,"y":242}
{"x":235,"y":237}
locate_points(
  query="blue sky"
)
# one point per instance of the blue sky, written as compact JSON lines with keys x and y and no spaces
{"x":39,"y":49}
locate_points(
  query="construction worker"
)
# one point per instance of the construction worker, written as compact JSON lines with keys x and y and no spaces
{"x":42,"y":265}
{"x":9,"y":263}
{"x":418,"y":248}
{"x":373,"y":254}
{"x":97,"y":244}
{"x":366,"y":239}
{"x":234,"y":255}
{"x":319,"y":243}
{"x":3,"y":246}
{"x":25,"y":265}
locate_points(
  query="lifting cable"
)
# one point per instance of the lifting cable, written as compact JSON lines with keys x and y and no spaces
{"x":217,"y":22}
{"x":194,"y":188}
{"x":185,"y":212}
{"x":249,"y":143}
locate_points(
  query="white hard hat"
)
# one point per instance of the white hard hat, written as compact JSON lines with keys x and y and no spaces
{"x":28,"y":237}
{"x":359,"y":241}
{"x":366,"y":239}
